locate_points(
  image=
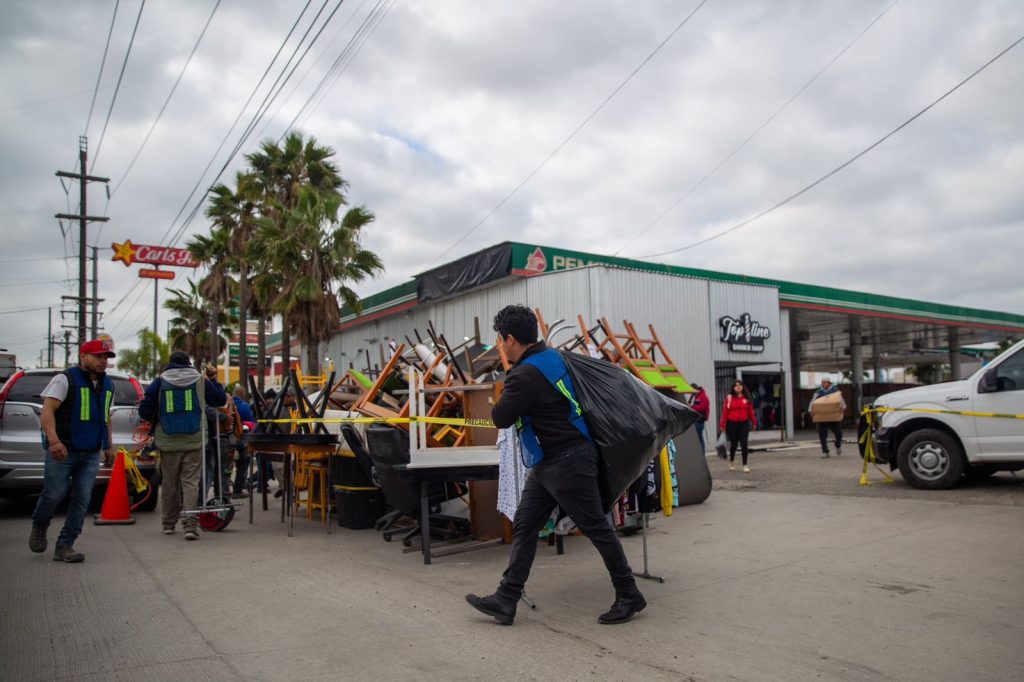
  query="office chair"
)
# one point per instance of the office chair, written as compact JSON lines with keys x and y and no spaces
{"x":389,"y":447}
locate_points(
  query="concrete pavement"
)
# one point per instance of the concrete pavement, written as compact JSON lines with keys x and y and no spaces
{"x":763,"y":582}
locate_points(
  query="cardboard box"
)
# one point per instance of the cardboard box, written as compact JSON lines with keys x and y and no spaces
{"x":828,"y":408}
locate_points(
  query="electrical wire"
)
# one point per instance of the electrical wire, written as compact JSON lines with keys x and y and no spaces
{"x":341,"y":63}
{"x":841,"y":166}
{"x":224,"y":140}
{"x":241,"y":112}
{"x":761,"y":127}
{"x":120,"y":76}
{"x":268,"y":101}
{"x":103,"y":63}
{"x":573,"y":134}
{"x":167,"y":101}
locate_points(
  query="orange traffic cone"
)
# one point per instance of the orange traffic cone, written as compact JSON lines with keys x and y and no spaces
{"x":115,"y":503}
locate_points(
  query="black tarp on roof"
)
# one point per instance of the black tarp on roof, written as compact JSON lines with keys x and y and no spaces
{"x":468,"y":272}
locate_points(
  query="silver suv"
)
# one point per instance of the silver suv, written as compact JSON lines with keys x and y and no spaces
{"x":21,"y":448}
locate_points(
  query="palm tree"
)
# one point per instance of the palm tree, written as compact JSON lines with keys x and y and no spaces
{"x":151,"y":353}
{"x":216,"y":287}
{"x":280,"y":172}
{"x":191,"y":324}
{"x":234,"y":211}
{"x":318,"y":254}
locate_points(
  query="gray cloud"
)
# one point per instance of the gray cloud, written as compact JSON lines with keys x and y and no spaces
{"x":450,"y":105}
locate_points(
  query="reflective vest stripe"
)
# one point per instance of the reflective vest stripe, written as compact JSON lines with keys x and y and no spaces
{"x":560,"y":385}
{"x":169,"y":401}
{"x":188,"y":401}
{"x":85,"y":399}
{"x":106,"y":408}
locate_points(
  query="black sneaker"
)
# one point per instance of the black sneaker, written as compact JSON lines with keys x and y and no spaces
{"x":67,"y":554}
{"x":824,"y":455}
{"x":498,"y":608}
{"x":37,"y":540}
{"x":624,"y":608}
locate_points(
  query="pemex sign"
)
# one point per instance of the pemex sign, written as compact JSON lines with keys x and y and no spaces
{"x":129,"y":253}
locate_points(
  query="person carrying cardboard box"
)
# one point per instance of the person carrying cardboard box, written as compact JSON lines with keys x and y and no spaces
{"x":827,"y":408}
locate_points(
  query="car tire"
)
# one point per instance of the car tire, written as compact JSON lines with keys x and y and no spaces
{"x":930,"y":459}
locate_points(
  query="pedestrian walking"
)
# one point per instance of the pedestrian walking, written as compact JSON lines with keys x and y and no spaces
{"x":242,"y":450}
{"x":540,"y":400}
{"x":702,"y":406}
{"x":737,"y":421}
{"x":829,"y":418}
{"x":76,"y":429}
{"x":176,"y":402}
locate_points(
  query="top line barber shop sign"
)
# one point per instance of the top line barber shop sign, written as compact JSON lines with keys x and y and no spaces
{"x":743,"y":335}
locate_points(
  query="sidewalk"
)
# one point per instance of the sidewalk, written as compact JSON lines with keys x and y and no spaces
{"x":759,"y":586}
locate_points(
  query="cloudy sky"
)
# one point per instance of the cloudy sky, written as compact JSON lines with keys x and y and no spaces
{"x":609,"y":127}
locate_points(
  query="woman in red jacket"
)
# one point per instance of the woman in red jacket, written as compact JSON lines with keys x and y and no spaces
{"x":737,"y":420}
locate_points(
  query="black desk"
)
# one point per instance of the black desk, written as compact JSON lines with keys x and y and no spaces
{"x":425,"y":475}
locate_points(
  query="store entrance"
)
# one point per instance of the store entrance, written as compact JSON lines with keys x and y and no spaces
{"x":766,"y":388}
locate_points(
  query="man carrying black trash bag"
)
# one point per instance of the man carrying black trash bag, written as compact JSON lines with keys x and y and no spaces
{"x":540,"y":399}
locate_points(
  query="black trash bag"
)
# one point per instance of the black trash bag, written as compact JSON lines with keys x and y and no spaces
{"x":629,"y":421}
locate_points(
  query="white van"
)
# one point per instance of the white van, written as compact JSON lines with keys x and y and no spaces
{"x":934,"y":449}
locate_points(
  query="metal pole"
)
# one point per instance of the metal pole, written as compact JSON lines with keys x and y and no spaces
{"x":95,"y":293}
{"x":156,"y":307}
{"x":49,"y":336}
{"x":82,"y":222}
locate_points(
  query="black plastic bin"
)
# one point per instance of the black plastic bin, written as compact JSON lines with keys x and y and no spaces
{"x":358,"y":507}
{"x":346,"y":471}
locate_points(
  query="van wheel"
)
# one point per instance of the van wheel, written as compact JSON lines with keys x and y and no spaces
{"x":930,"y":459}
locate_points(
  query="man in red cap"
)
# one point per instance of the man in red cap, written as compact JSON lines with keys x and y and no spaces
{"x":76,"y":429}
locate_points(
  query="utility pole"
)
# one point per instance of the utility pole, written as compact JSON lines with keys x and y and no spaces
{"x":49,"y":336}
{"x":95,"y":291}
{"x":83,"y":219}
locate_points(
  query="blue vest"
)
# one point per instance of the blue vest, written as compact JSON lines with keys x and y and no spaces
{"x":83,"y":416}
{"x":552,"y":366}
{"x":180,"y":409}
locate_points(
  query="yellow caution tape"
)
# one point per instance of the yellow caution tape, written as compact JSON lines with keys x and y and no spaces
{"x":869,"y":449}
{"x":478,"y":423}
{"x":135,"y":477}
{"x":963,"y":413}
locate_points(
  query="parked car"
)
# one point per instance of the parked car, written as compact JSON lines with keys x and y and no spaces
{"x":21,"y":449}
{"x":934,"y":450}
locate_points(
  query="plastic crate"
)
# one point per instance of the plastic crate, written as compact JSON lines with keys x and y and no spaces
{"x":358,"y":509}
{"x":346,"y":471}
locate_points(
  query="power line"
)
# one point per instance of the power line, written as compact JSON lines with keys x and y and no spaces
{"x":168,"y":100}
{"x":843,"y":165}
{"x":241,"y":112}
{"x":48,"y":101}
{"x":342,"y":62}
{"x":268,"y":101}
{"x":224,"y":140}
{"x":113,"y":99}
{"x":761,"y":127}
{"x":103,"y":63}
{"x":571,"y":135}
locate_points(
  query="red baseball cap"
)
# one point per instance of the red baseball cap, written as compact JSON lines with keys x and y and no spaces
{"x":100,"y":346}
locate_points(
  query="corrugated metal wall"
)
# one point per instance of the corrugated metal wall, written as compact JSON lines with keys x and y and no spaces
{"x":684,"y":313}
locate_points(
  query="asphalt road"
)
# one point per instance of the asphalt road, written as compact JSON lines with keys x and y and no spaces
{"x":792,"y":572}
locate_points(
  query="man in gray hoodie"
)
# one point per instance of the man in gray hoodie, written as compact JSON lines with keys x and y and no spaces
{"x":175,"y":404}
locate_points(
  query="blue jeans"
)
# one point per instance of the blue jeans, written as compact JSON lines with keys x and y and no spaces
{"x":698,"y":426}
{"x":77,"y":472}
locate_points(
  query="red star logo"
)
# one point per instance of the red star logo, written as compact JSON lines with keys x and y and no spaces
{"x":124,"y":252}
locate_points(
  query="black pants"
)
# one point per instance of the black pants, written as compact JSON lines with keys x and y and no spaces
{"x":837,"y":431}
{"x":737,"y":433}
{"x":568,"y":480}
{"x":241,"y":466}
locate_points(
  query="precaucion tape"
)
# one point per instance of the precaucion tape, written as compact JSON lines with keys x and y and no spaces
{"x":962,"y":413}
{"x":447,"y":421}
